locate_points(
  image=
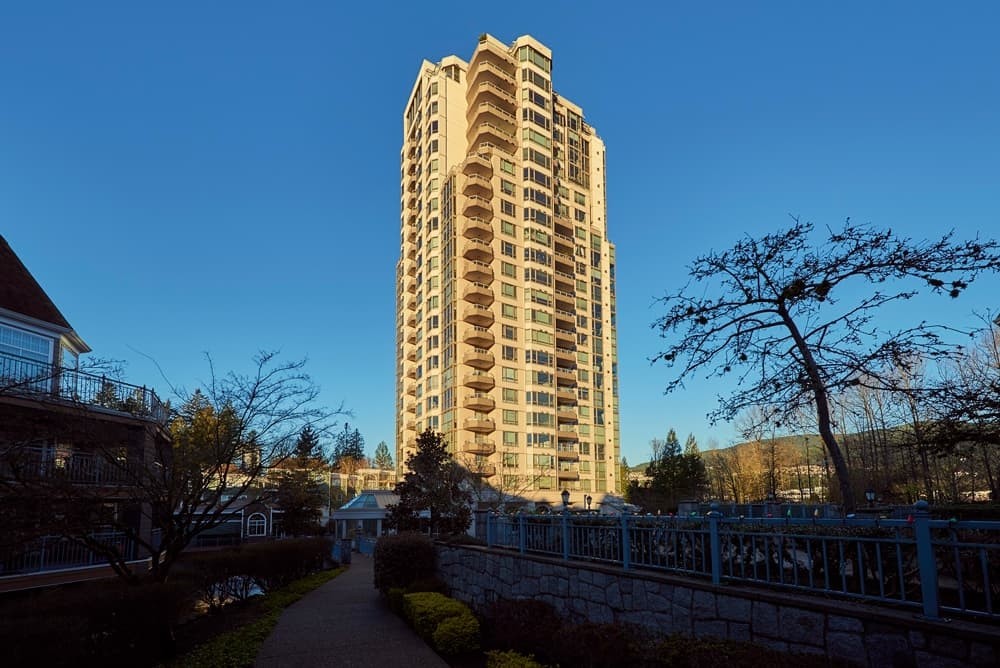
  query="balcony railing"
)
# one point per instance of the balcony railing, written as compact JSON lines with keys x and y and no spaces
{"x":55,"y":463}
{"x":29,"y":378}
{"x":55,"y":553}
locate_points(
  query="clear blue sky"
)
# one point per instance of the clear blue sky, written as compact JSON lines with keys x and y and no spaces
{"x":224,"y":177}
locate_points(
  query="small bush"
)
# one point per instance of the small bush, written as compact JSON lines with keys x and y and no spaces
{"x":403,"y":559}
{"x":510,"y":659}
{"x":457,"y":635}
{"x":425,"y":610}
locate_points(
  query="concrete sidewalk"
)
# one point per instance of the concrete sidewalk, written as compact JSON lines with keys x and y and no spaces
{"x":345,"y":623}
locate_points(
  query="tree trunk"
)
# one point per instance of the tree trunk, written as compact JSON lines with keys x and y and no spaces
{"x":822,"y":412}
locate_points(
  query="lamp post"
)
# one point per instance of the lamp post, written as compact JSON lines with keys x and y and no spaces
{"x":565,"y":499}
{"x":587,"y":499}
{"x":870,"y":497}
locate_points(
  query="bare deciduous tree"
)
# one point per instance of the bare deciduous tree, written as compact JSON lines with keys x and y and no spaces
{"x":778,"y":316}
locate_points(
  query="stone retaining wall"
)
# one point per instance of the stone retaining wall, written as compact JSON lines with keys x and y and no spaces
{"x":865,"y":634}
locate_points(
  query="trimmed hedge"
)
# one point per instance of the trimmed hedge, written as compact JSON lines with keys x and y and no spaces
{"x":510,"y":659}
{"x":448,"y":625}
{"x":403,"y":559}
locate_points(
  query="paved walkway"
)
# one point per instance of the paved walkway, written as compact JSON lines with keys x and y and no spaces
{"x":344,"y":624}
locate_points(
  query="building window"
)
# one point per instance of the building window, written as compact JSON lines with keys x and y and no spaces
{"x":508,"y":310}
{"x":257,"y":525}
{"x":509,"y":417}
{"x":509,"y":374}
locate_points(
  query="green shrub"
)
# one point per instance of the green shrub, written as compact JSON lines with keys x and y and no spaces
{"x":403,"y":559}
{"x":510,"y":659}
{"x":457,"y":635}
{"x":425,"y":610}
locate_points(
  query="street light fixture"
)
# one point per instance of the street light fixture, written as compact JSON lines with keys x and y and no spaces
{"x":588,"y":499}
{"x":565,"y":498}
{"x":870,"y":496}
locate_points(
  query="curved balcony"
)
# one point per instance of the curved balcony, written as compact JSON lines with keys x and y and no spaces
{"x":478,"y":250}
{"x":478,"y":185}
{"x":411,"y":285}
{"x":409,"y":267}
{"x":477,"y":228}
{"x":474,"y":314}
{"x":485,"y":471}
{"x":411,"y":303}
{"x":492,"y":134}
{"x":411,"y":389}
{"x":412,"y":373}
{"x":485,"y":70}
{"x":568,"y":475}
{"x":566,"y":336}
{"x":566,"y":415}
{"x":487,"y":112}
{"x":488,"y":91}
{"x":411,"y":336}
{"x":475,"y":206}
{"x":411,"y":234}
{"x":566,"y":373}
{"x":411,"y":319}
{"x":479,"y":359}
{"x":477,"y":272}
{"x":411,"y":355}
{"x":479,"y":425}
{"x":478,"y":293}
{"x":479,"y":401}
{"x":480,"y":337}
{"x":566,"y":397}
{"x":411,"y":425}
{"x":477,"y":164}
{"x":479,"y":380}
{"x":565,"y":434}
{"x":483,"y":448}
{"x":411,"y":408}
{"x":569,"y":453}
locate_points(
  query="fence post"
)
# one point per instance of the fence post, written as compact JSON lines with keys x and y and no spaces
{"x":565,"y":534}
{"x":925,"y":558}
{"x":626,"y":545}
{"x":490,"y":525}
{"x":714,"y":543}
{"x":522,"y":539}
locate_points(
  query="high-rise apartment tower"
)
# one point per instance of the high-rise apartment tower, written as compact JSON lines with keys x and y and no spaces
{"x":505,"y":298}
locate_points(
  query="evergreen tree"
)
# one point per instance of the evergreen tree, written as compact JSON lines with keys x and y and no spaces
{"x":383,"y":459}
{"x":348,"y":449}
{"x":675,"y":475}
{"x":434,"y":483}
{"x":301,"y":494}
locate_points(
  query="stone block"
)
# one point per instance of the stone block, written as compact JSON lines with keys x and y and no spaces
{"x":949,"y":646}
{"x":738,"y":632}
{"x":733,"y":608}
{"x":654,"y":602}
{"x":599,"y":614}
{"x":888,"y":649}
{"x":981,"y":654}
{"x":802,"y":626}
{"x":710,"y":629}
{"x":682,"y":621}
{"x":613,"y":595}
{"x":844,"y":624}
{"x":765,"y":620}
{"x":917,"y":640}
{"x":798,"y":648}
{"x":770,"y":643}
{"x":923,"y":659}
{"x":682,"y":597}
{"x":703,"y":605}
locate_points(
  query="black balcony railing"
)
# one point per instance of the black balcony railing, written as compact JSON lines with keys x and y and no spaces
{"x":24,"y":377}
{"x":55,"y":463}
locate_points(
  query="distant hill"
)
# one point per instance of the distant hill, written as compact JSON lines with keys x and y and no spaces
{"x":786,"y":448}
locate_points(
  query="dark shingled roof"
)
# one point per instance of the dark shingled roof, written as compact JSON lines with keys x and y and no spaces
{"x":21,"y":293}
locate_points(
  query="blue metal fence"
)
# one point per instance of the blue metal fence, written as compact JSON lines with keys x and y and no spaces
{"x":939,"y":567}
{"x":55,"y":553}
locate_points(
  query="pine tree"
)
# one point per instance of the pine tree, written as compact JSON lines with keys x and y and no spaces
{"x":433,"y":483}
{"x":301,"y":495}
{"x":383,"y":459}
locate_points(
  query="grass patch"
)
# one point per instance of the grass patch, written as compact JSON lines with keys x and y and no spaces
{"x":239,"y":648}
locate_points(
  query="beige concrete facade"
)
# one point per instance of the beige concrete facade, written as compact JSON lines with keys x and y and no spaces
{"x":505,"y":299}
